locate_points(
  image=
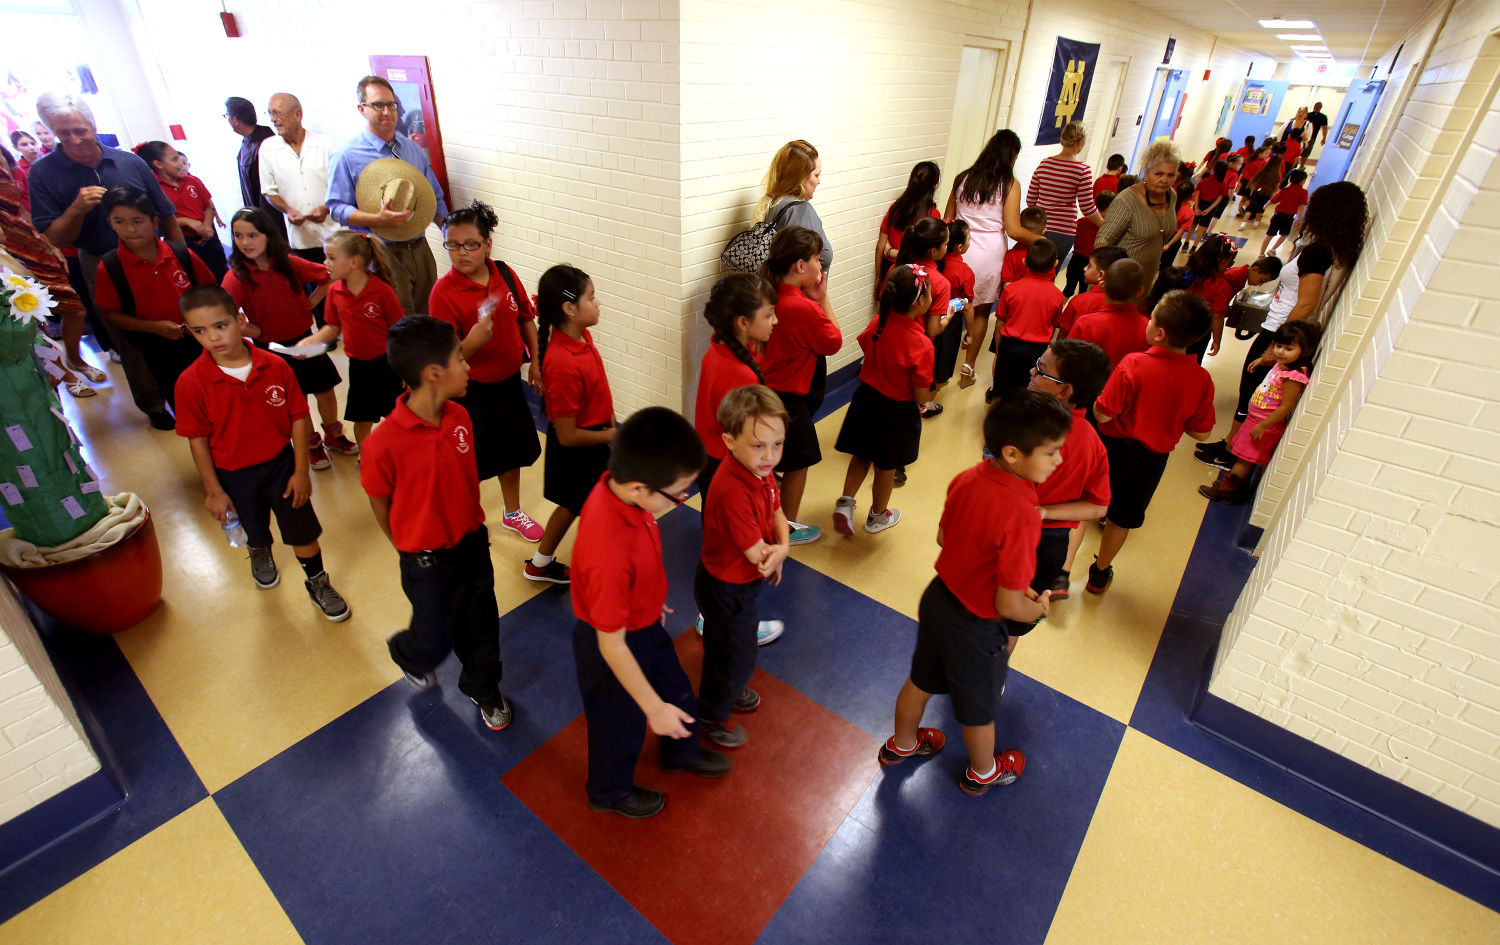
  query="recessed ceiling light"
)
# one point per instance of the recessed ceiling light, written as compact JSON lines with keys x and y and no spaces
{"x":1318,"y":48}
{"x":1296,"y":37}
{"x":1288,"y":24}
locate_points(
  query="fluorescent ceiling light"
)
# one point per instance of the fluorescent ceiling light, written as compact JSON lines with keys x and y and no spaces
{"x":1318,"y":48}
{"x":1296,"y":37}
{"x":1289,"y":24}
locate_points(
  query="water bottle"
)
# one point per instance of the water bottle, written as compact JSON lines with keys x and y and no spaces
{"x":234,"y":532}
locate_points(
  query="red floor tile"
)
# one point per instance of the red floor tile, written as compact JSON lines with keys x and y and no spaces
{"x":716,"y":864}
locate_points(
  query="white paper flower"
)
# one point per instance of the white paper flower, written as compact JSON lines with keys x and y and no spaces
{"x":28,"y":299}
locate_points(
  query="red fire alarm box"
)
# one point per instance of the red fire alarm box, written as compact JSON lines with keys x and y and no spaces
{"x":231,"y":28}
{"x":177,"y":133}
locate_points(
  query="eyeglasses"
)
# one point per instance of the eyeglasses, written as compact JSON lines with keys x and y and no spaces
{"x":380,"y":106}
{"x":1037,"y":369}
{"x":470,"y":247}
{"x":677,"y":500}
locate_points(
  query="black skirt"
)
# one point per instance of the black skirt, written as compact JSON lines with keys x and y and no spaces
{"x":883,"y":431}
{"x":373,"y":389}
{"x":801,"y":449}
{"x":504,"y":430}
{"x":314,"y":375}
{"x":571,"y":472}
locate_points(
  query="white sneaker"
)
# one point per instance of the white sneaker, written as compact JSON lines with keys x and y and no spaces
{"x":769,"y":631}
{"x":879,"y":523}
{"x":843,"y":515}
{"x":1243,"y":225}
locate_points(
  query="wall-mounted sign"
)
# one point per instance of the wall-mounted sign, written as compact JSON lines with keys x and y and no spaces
{"x":1068,"y":89}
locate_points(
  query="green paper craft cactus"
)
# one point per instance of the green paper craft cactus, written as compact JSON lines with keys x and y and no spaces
{"x":48,"y":492}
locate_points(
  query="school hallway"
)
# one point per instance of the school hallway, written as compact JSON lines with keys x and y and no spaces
{"x":285,"y":784}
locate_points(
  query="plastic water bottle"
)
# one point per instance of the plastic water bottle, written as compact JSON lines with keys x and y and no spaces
{"x":234,"y":532}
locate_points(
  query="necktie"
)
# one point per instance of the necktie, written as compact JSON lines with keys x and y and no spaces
{"x":390,"y":147}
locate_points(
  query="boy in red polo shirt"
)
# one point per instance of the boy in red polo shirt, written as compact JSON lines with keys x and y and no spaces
{"x":1289,"y":202}
{"x":1026,"y":317}
{"x":746,"y":538}
{"x":1152,"y":398}
{"x":419,"y":471}
{"x":1109,"y":181}
{"x":1093,"y":276}
{"x":1118,"y":327}
{"x":989,"y":533}
{"x":628,"y":673}
{"x":247,"y":424}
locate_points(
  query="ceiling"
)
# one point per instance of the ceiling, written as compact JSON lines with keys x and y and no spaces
{"x":1348,"y":27}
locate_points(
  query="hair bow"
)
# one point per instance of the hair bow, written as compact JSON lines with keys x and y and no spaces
{"x":919,"y":275}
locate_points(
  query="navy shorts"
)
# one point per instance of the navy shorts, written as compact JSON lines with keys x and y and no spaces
{"x":960,"y":654}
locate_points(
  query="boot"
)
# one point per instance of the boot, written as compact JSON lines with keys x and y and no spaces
{"x":1230,"y":490}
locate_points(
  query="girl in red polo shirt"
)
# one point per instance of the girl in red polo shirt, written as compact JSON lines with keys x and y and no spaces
{"x":925,"y":244}
{"x":1209,"y":198}
{"x":580,"y":409}
{"x":1205,"y":276}
{"x":193,"y":202}
{"x":883,"y":425}
{"x":741,"y":310}
{"x":269,"y":285}
{"x":362,"y":307}
{"x":917,"y":201}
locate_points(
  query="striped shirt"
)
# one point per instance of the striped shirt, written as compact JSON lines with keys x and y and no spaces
{"x":1065,"y":189}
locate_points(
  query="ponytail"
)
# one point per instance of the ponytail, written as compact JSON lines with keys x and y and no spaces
{"x":558,"y":285}
{"x":920,"y":239}
{"x":371,"y":249}
{"x":739,"y":296}
{"x":901,"y":290}
{"x":791,"y":245}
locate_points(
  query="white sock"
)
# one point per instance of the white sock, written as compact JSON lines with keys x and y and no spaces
{"x":540,"y":560}
{"x":978,"y":776}
{"x":845,"y":500}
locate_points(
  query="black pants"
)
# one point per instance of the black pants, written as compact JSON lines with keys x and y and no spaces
{"x":166,"y":358}
{"x":1249,"y":380}
{"x":259,"y":491}
{"x":617,"y":728}
{"x":1014,"y":360}
{"x":452,"y":594}
{"x":730,"y":621}
{"x":1077,"y":263}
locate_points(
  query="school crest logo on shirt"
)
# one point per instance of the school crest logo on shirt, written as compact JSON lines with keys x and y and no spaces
{"x":275,"y":395}
{"x":461,"y":439}
{"x":180,"y":280}
{"x":191,"y":190}
{"x":370,"y":309}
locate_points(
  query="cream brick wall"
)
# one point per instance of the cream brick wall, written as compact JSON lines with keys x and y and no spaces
{"x":1372,"y":623}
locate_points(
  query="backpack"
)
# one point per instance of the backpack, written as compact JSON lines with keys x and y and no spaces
{"x":748,"y":249}
{"x":116,"y":270}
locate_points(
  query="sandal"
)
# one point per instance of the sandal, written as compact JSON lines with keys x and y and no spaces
{"x":89,"y":372}
{"x":965,"y":376}
{"x":78,"y":388}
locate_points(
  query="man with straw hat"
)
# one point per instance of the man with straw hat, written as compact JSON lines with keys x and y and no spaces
{"x":381,"y":183}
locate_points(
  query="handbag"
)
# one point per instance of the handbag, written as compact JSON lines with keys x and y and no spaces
{"x":1248,"y":310}
{"x":747,"y":250}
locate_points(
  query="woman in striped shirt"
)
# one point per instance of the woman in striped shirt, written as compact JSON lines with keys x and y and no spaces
{"x":1064,"y":187}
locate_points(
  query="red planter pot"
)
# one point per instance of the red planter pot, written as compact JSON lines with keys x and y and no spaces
{"x":105,"y":593}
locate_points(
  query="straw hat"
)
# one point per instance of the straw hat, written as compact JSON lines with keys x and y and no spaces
{"x":406,"y":189}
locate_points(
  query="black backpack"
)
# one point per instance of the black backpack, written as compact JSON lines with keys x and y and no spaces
{"x":116,"y":270}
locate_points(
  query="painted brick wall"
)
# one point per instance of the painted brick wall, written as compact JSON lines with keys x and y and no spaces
{"x":1372,"y":623}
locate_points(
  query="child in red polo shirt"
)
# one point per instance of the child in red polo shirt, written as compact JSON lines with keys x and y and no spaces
{"x":1012,"y":268}
{"x":362,"y":307}
{"x":1118,"y":326}
{"x":579,"y":407}
{"x":961,"y":308}
{"x":1205,"y":271}
{"x":144,"y":302}
{"x":918,"y":200}
{"x":988,"y":535}
{"x":925,"y":244}
{"x":1026,"y":317}
{"x":1093,"y":276}
{"x":1289,"y":202}
{"x":247,"y":424}
{"x":1083,"y":248}
{"x":194,"y":204}
{"x":883,"y":425}
{"x":628,"y":673}
{"x":1152,"y":398}
{"x":741,"y":310}
{"x":1109,"y":181}
{"x":804,"y":333}
{"x":270,"y":284}
{"x":423,"y":482}
{"x":486,"y":304}
{"x":746,"y":539}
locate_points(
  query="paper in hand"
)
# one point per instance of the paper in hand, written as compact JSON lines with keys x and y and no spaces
{"x":300,"y":351}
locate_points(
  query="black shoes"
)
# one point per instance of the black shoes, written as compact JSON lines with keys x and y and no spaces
{"x":160,"y":419}
{"x":639,"y":804}
{"x":1214,"y":454}
{"x":710,"y":764}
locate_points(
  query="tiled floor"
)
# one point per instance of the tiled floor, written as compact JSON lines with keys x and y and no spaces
{"x":286,"y":785}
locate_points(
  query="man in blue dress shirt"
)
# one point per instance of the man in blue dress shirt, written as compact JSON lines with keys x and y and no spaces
{"x":412,"y":263}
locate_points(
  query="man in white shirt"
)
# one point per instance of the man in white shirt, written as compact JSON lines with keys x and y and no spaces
{"x":294,"y":176}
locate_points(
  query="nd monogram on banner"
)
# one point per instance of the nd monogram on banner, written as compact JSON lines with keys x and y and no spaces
{"x":1072,"y":85}
{"x":1068,"y":88}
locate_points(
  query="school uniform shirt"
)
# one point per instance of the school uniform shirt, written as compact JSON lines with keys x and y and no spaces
{"x":1253,"y":168}
{"x":942,"y":292}
{"x":1109,"y":182}
{"x":619,"y":582}
{"x":189,"y":195}
{"x":1080,"y":305}
{"x":1156,"y":396}
{"x":245,"y":422}
{"x":1013,"y":267}
{"x":960,"y":277}
{"x":990,"y":528}
{"x":803,"y":333}
{"x":1293,"y":152}
{"x":721,"y":373}
{"x":456,"y":300}
{"x":156,"y":285}
{"x":900,"y":360}
{"x":1217,"y":290}
{"x":1083,"y":475}
{"x":1245,"y":151}
{"x":272,"y":304}
{"x":741,"y":511}
{"x":428,"y":473}
{"x":892,"y":233}
{"x":576,"y":385}
{"x":1290,"y":199}
{"x":1231,"y":180}
{"x":1083,"y":239}
{"x":1210,"y":189}
{"x":1118,"y":327}
{"x":1030,"y":308}
{"x":364,"y":319}
{"x":1237,"y":277}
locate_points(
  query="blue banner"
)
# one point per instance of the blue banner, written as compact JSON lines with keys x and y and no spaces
{"x":1068,"y":89}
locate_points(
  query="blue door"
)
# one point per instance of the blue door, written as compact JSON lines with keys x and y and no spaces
{"x":1345,"y":133}
{"x":1163,"y":122}
{"x":1256,"y":109}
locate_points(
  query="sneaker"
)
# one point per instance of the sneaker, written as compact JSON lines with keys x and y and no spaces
{"x":748,"y":701}
{"x":1060,"y":587}
{"x":900,"y":478}
{"x":710,"y":764}
{"x":699,"y":625}
{"x":263,"y":568}
{"x":317,"y":457}
{"x":423,"y":681}
{"x":160,"y":419}
{"x":931,"y":410}
{"x":114,"y":357}
{"x":843,"y":515}
{"x":724,"y":734}
{"x":803,"y":534}
{"x":495,"y":717}
{"x":638,"y":804}
{"x":1008,"y":766}
{"x":1099,"y":579}
{"x":326,"y":599}
{"x":929,"y":742}
{"x":879,"y":523}
{"x":553,"y":572}
{"x":521,"y":523}
{"x":1214,"y":454}
{"x":769,"y":631}
{"x":340,"y":443}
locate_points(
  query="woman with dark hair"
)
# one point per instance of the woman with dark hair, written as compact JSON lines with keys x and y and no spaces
{"x":918,"y":200}
{"x":985,"y":197}
{"x":1337,"y":215}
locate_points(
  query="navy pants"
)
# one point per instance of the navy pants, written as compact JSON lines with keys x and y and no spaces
{"x":730,"y":621}
{"x":452,"y":594}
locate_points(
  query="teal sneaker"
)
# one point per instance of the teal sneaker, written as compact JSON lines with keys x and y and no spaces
{"x":804,"y":534}
{"x":768,"y":631}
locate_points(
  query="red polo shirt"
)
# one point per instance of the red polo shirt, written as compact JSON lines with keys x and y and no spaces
{"x":427,"y":472}
{"x":1083,"y":475}
{"x":803,"y":332}
{"x":900,"y":360}
{"x":1118,"y":328}
{"x":1253,"y":168}
{"x":364,"y":319}
{"x":740,"y":511}
{"x":189,"y":196}
{"x":942,"y":291}
{"x":722,"y":372}
{"x":1290,"y":199}
{"x":1293,"y":152}
{"x":1237,"y":277}
{"x":991,"y":528}
{"x":960,"y":276}
{"x":1210,"y":189}
{"x":619,"y":582}
{"x":576,"y":385}
{"x":156,"y":285}
{"x":1109,"y":182}
{"x":1013,"y":265}
{"x":1217,"y":290}
{"x":1030,"y":308}
{"x":892,"y":234}
{"x":245,"y":422}
{"x":1245,"y":151}
{"x":456,"y":299}
{"x":272,"y":304}
{"x":1155,"y":396}
{"x":1080,"y":305}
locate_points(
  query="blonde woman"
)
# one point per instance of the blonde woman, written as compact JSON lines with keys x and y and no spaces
{"x":1144,"y":216}
{"x":1063,"y":186}
{"x":793,"y":179}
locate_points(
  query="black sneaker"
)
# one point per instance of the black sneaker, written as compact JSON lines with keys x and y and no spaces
{"x":326,"y":599}
{"x":497,"y":717}
{"x":1060,"y":587}
{"x":553,"y":572}
{"x":1099,"y":579}
{"x":900,"y":478}
{"x":929,"y":742}
{"x":723,"y":734}
{"x":639,"y":804}
{"x":263,"y":568}
{"x":748,"y":701}
{"x":161,"y":420}
{"x":710,"y":764}
{"x":1215,"y":454}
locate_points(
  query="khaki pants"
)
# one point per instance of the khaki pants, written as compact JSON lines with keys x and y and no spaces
{"x":413,"y":273}
{"x":144,"y":390}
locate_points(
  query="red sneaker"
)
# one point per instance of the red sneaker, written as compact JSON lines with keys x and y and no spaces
{"x":929,"y":742}
{"x":341,"y":444}
{"x":1008,"y":766}
{"x":317,"y":457}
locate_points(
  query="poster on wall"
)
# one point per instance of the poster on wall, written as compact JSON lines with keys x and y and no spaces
{"x":1068,"y":89}
{"x":416,"y":109}
{"x":1256,"y":101}
{"x":1224,"y":115}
